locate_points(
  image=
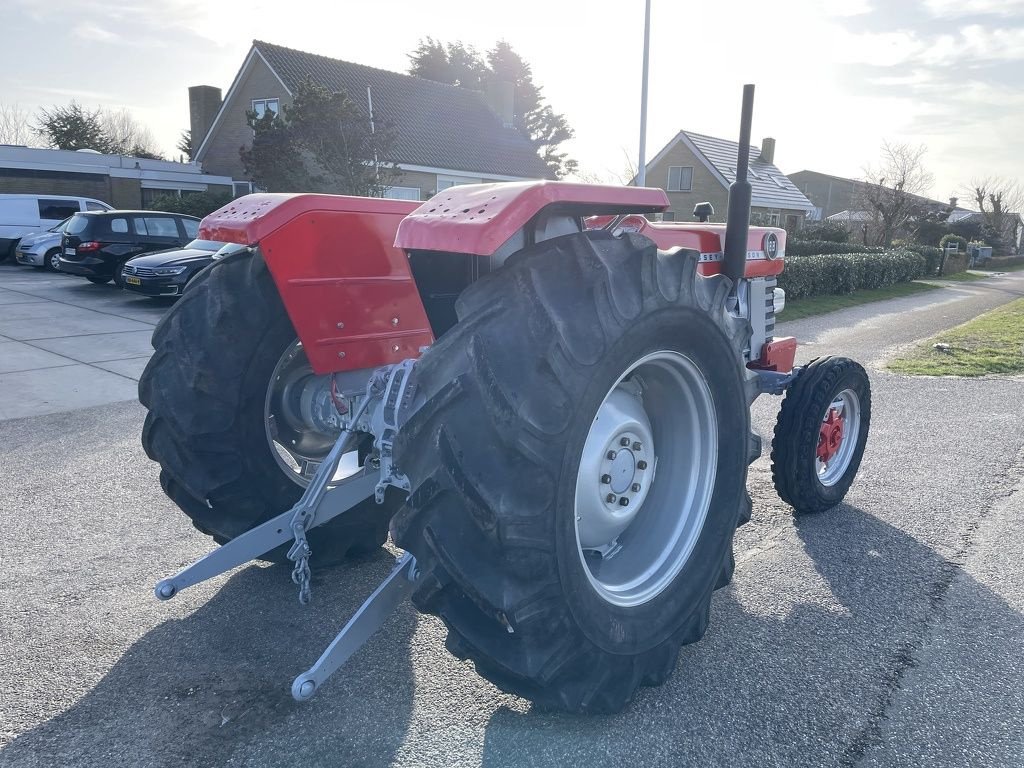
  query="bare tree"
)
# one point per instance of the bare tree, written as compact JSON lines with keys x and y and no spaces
{"x":892,"y":190}
{"x":16,"y":126}
{"x":126,"y":136}
{"x":1000,"y":201}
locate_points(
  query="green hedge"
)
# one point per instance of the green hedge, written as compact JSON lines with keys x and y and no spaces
{"x":932,"y":256}
{"x":826,"y":274}
{"x":819,"y":247}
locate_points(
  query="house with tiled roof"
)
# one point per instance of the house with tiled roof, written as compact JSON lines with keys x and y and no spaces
{"x":694,"y":168}
{"x":444,"y":135}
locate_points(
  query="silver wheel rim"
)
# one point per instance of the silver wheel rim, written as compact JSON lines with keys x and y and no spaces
{"x":654,"y":443}
{"x":844,"y":406}
{"x":297,"y":449}
{"x":54,"y":259}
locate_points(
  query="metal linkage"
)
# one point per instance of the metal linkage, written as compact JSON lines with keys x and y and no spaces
{"x":316,"y":507}
{"x":364,"y":623}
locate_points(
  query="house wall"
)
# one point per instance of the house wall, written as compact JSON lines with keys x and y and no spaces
{"x":28,"y":182}
{"x":220,"y":155}
{"x":828,"y":193}
{"x":706,"y":188}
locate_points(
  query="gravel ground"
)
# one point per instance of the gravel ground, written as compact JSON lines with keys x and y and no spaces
{"x":884,"y":632}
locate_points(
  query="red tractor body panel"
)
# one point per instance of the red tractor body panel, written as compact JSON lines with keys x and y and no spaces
{"x":348,"y":291}
{"x":479,"y":218}
{"x":709,"y":239}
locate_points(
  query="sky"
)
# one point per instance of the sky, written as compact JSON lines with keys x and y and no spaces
{"x":834,"y":79}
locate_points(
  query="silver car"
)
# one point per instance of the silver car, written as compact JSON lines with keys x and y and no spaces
{"x":42,"y":250}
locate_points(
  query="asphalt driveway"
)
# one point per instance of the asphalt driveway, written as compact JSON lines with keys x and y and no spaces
{"x":884,"y":632}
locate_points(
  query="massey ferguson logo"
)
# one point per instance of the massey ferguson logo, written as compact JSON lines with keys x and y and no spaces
{"x":771,"y":245}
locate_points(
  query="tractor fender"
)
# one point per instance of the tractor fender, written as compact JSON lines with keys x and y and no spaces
{"x":479,"y":219}
{"x":348,"y":291}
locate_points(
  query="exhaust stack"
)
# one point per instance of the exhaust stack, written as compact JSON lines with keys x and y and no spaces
{"x":738,"y":221}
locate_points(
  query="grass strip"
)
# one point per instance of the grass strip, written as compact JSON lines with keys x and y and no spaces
{"x":819,"y":305}
{"x":992,"y":343}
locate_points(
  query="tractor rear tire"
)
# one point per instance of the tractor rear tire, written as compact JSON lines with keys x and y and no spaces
{"x":206,"y":387}
{"x":806,"y":484}
{"x":506,"y":403}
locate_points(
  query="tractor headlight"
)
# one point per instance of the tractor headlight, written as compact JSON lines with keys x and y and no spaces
{"x":778,"y":300}
{"x":164,"y":271}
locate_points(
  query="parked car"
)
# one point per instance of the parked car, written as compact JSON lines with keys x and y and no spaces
{"x":165,"y":273}
{"x":43,"y":250}
{"x":24,"y":215}
{"x":97,"y":245}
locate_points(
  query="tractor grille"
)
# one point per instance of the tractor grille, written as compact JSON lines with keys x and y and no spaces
{"x":769,"y":308}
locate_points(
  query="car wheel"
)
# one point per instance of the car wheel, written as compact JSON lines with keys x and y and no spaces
{"x":98,"y":280}
{"x":51,"y":260}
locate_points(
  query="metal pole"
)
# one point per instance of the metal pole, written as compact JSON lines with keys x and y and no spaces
{"x":641,"y":176}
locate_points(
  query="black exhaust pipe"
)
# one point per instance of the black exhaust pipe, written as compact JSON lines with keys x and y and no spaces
{"x":738,"y":221}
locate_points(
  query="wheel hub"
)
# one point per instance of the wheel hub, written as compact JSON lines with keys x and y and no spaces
{"x":620,"y":442}
{"x":830,"y":438}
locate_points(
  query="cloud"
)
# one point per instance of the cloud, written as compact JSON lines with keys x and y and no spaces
{"x":961,"y":8}
{"x":86,"y":30}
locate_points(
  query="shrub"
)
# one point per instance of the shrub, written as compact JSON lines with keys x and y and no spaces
{"x":932,"y":255}
{"x":841,"y":273}
{"x":831,"y":231}
{"x":820,"y":247}
{"x":196,"y":204}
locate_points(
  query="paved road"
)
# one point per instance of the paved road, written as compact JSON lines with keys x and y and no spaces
{"x":885,"y":632}
{"x":67,"y":344}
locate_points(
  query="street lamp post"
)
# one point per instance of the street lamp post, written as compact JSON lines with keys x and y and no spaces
{"x":641,"y":176}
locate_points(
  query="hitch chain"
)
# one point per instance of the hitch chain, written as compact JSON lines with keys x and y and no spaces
{"x":305,"y":510}
{"x":299,"y":554}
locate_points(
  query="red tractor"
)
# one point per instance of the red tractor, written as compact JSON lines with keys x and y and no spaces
{"x":543,"y":395}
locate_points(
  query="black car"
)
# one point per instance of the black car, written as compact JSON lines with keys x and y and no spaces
{"x":97,"y":245}
{"x":165,"y":273}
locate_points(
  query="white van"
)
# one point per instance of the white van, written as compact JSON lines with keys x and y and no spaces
{"x":22,"y":215}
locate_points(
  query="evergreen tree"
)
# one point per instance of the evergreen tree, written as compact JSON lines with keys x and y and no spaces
{"x":72,"y":127}
{"x":322,"y":142}
{"x":459,"y":64}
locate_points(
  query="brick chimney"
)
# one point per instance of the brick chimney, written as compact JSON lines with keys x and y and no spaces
{"x":203,"y":104}
{"x":501,"y":98}
{"x":767,"y":151}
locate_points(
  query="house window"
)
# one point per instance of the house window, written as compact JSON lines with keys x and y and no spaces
{"x":239,"y":188}
{"x":444,"y":182}
{"x":260,"y":107}
{"x":668,"y":216}
{"x":402,"y":193}
{"x":680,"y":178}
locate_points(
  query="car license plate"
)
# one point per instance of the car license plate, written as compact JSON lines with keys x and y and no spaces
{"x":132,"y":280}
{"x":69,"y":251}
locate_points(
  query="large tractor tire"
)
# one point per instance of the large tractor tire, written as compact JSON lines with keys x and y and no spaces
{"x":218,"y":352}
{"x":821,"y":433}
{"x":578,"y":461}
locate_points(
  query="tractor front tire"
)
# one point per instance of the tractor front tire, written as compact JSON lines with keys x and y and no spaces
{"x":206,"y":387}
{"x":507,"y":403}
{"x":813,"y":462}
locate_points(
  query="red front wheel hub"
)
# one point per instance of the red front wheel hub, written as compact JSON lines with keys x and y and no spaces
{"x":831,"y":435}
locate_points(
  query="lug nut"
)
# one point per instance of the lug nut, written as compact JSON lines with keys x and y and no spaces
{"x":624,"y":442}
{"x":641,"y":464}
{"x":610,"y":455}
{"x":605,"y":479}
{"x":623,"y":502}
{"x":610,"y":498}
{"x":636,"y":487}
{"x":636,"y":446}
